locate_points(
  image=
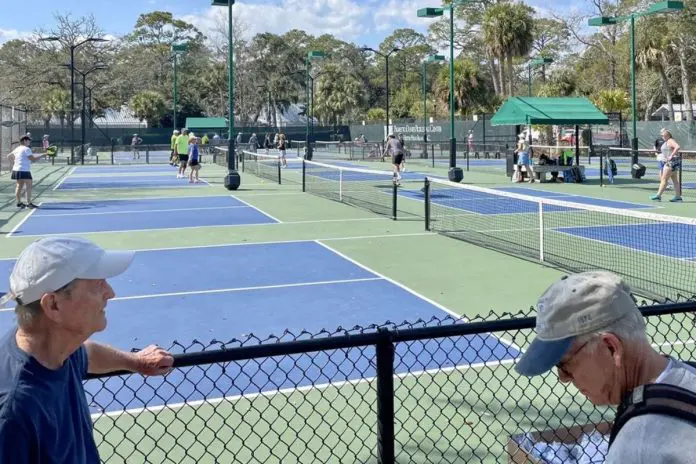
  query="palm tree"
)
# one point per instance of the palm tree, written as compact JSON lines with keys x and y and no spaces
{"x":612,"y":100}
{"x":652,"y":54}
{"x":471,"y":90}
{"x":337,"y":93}
{"x":508,"y":34}
{"x":58,"y":105}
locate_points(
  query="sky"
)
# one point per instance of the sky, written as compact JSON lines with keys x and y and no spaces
{"x":364,"y":22}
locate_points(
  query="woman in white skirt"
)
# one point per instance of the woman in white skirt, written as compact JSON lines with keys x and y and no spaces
{"x":21,"y":159}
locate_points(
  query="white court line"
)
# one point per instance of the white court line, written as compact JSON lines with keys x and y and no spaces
{"x":14,"y":229}
{"x":233,"y":290}
{"x":257,"y":209}
{"x":139,"y":198}
{"x":677,"y":343}
{"x":290,"y":390}
{"x":61,"y":181}
{"x":414,"y":293}
{"x":244,"y":289}
{"x":268,"y":194}
{"x":320,"y":221}
{"x":279,"y":242}
{"x":193,"y":208}
{"x":132,"y":180}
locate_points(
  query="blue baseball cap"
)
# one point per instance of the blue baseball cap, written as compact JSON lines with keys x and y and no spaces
{"x":575,"y":305}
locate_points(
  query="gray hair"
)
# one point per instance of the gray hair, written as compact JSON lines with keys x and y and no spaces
{"x":27,"y":314}
{"x":630,"y":328}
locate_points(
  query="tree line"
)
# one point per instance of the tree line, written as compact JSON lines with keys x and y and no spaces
{"x":494,"y":41}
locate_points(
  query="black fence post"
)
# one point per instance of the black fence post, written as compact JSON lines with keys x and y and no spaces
{"x":304,"y":170}
{"x":279,"y":173}
{"x":601,"y":167}
{"x":385,"y":399}
{"x":426,"y":191}
{"x":395,"y":194}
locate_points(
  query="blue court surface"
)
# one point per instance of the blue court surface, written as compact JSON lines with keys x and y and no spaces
{"x":125,"y":169}
{"x":484,"y":203}
{"x":140,"y":214}
{"x":227,"y":292}
{"x":126,"y":182}
{"x":647,"y":238}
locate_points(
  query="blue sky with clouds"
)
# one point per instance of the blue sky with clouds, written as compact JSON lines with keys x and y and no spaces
{"x":360,"y":21}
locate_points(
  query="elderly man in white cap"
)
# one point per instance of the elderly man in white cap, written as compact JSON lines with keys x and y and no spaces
{"x":589,"y":327}
{"x":61,"y":292}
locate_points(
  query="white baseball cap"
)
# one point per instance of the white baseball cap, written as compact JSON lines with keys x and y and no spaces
{"x":49,"y":264}
{"x":575,"y":305}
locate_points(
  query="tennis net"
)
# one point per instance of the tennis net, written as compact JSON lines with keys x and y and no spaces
{"x":264,"y":166}
{"x":655,"y":253}
{"x":363,"y":188}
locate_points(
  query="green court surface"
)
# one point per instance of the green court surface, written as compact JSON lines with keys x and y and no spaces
{"x":466,"y":414}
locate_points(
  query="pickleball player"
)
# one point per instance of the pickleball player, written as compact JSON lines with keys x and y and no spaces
{"x":396,"y":148}
{"x":21,"y":159}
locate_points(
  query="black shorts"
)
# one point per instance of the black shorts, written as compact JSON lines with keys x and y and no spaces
{"x":398,"y":159}
{"x":194,"y":163}
{"x":21,"y":175}
{"x":183,"y":158}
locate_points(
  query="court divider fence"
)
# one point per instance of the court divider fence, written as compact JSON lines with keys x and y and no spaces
{"x":438,"y":390}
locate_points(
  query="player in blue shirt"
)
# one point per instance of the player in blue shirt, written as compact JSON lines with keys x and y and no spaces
{"x":60,"y":289}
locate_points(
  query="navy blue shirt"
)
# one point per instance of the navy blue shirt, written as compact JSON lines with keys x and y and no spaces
{"x":44,"y":417}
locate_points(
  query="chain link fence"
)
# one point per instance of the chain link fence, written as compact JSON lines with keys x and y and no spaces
{"x":441,"y":390}
{"x":13,"y":124}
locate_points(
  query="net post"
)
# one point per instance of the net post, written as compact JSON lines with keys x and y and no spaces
{"x":340,"y":184}
{"x":541,"y":231}
{"x":147,"y":154}
{"x":384,"y":353}
{"x":279,"y":172}
{"x":601,"y":168}
{"x":394,"y":196}
{"x":426,"y":191}
{"x":304,"y":173}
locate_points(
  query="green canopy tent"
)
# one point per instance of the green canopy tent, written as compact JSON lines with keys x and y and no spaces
{"x":517,"y":111}
{"x":204,"y":125}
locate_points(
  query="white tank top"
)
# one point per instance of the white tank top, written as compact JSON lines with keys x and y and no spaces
{"x":21,"y":159}
{"x":666,"y":151}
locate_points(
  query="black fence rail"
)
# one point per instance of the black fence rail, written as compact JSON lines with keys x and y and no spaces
{"x":441,"y":390}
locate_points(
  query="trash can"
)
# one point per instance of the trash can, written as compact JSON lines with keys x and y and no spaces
{"x":510,"y":160}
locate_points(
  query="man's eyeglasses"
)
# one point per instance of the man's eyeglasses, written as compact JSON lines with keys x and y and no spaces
{"x":564,"y":366}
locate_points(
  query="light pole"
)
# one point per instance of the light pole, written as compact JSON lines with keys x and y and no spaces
{"x":533,"y":64}
{"x":83,"y":128}
{"x":386,"y":59}
{"x":177,"y":49}
{"x":232,"y":179}
{"x":312,"y":55}
{"x":455,"y":173}
{"x":655,"y":8}
{"x":72,"y":47}
{"x":426,"y":62}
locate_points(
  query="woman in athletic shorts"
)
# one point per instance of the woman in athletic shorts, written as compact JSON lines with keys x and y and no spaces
{"x":397,"y":152}
{"x":672,"y":159}
{"x":22,"y":157}
{"x":194,"y":161}
{"x":281,"y":149}
{"x":523,"y":159}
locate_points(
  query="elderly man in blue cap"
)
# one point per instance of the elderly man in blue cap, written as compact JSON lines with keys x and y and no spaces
{"x":590,"y":328}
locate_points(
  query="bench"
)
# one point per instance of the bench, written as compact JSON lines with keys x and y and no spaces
{"x":542,"y":169}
